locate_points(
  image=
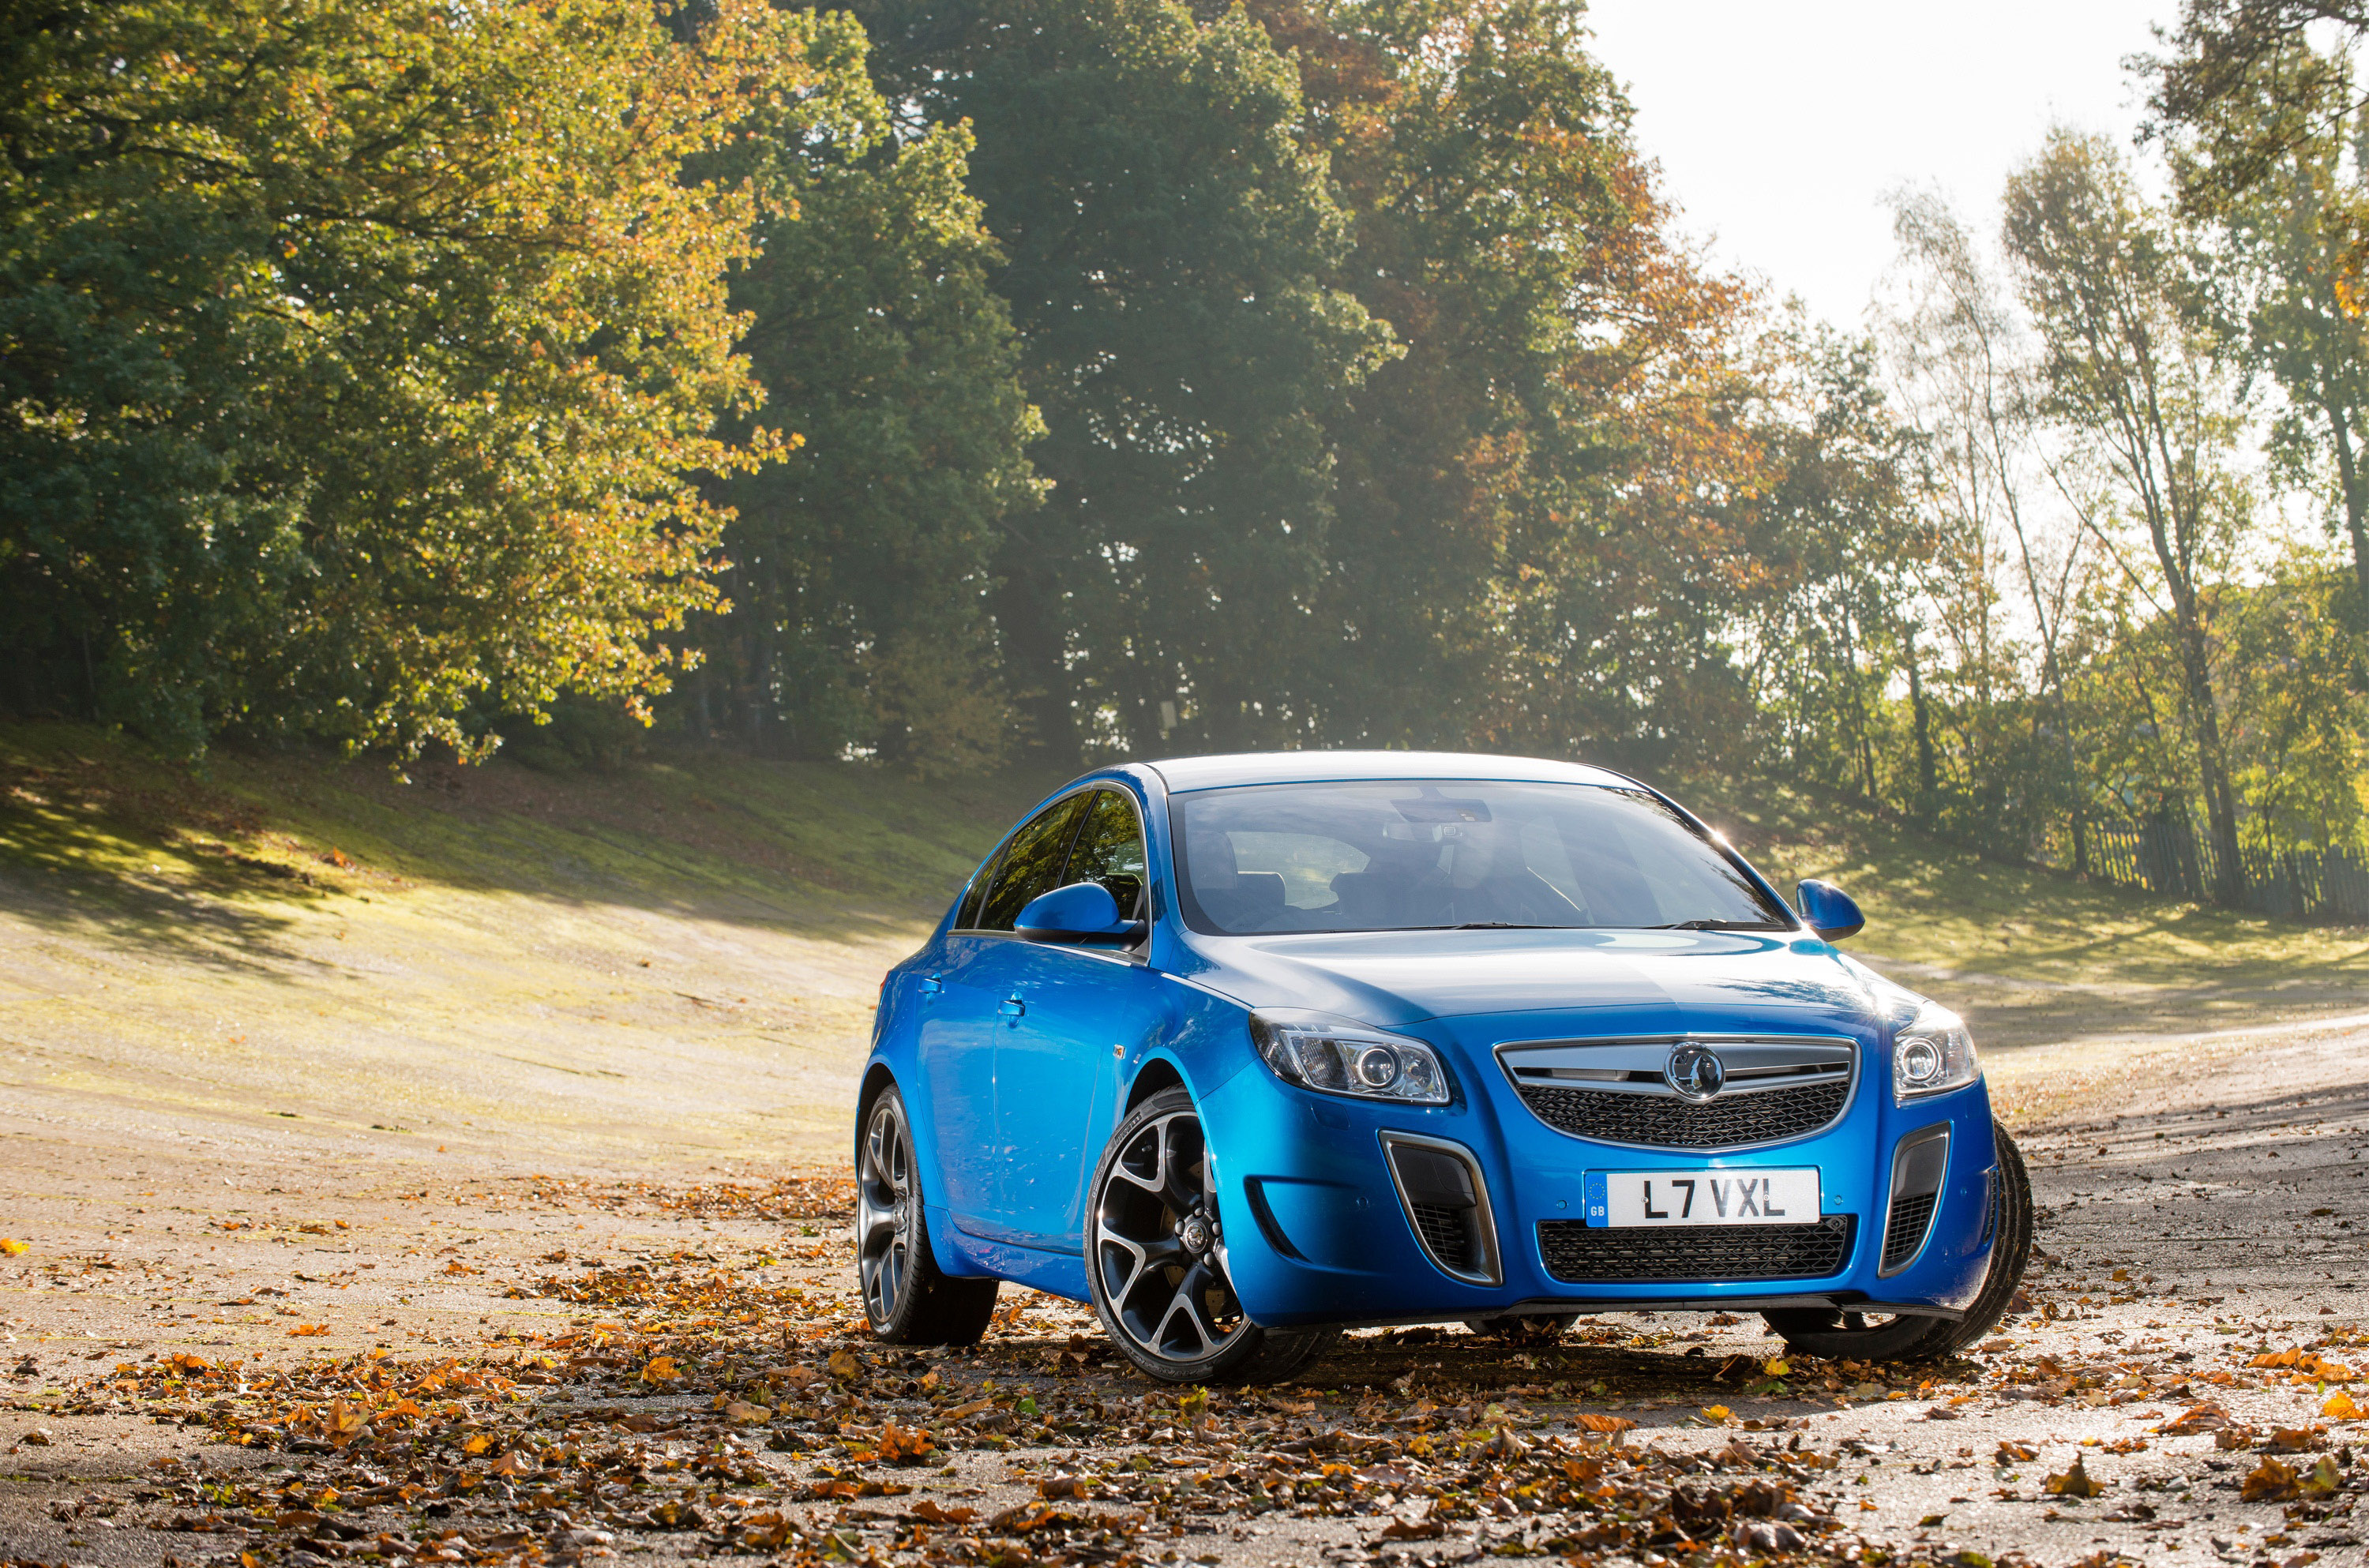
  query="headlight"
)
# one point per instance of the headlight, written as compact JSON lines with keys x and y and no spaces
{"x":1342,"y":1057}
{"x":1932,"y":1055}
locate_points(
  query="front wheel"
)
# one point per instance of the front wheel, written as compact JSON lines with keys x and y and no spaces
{"x":1155,"y":1258}
{"x":907,"y":1298}
{"x":1865,"y":1336}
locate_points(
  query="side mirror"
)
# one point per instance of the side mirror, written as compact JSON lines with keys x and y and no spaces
{"x":1083,"y":911}
{"x":1829,"y":910}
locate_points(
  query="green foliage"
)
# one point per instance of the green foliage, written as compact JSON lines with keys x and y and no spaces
{"x":1168,"y":242}
{"x":860,"y":564}
{"x":356,"y":356}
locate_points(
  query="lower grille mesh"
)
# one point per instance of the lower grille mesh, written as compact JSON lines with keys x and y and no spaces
{"x":1448,"y":1232}
{"x":1578,"y":1253}
{"x":1664,"y":1121}
{"x":1905,"y":1232}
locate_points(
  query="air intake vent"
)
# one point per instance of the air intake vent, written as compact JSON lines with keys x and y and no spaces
{"x":1919,"y":1164}
{"x":1905,"y":1232}
{"x":1447,"y":1202}
{"x":1579,"y":1253}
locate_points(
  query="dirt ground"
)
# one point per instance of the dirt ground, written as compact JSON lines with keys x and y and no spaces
{"x":252,"y":1340}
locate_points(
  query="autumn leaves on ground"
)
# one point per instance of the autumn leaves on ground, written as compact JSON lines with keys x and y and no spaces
{"x":449,"y":1172}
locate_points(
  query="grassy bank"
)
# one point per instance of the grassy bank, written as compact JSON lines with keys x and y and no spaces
{"x":678,"y":958}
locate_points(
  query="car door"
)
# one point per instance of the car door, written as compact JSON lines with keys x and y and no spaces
{"x":965,"y":1004}
{"x":1056,"y":1070}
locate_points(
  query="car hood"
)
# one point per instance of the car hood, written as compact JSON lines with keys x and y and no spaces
{"x":1657,"y":981}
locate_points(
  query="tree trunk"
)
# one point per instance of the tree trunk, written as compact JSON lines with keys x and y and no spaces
{"x":2212,"y":764}
{"x":1028,"y":612}
{"x":1927,"y":785}
{"x":2356,"y":499}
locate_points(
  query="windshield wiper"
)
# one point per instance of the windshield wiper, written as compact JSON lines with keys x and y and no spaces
{"x":1496,"y":925}
{"x":1714,"y":926}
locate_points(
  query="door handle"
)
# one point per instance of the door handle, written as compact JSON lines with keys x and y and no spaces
{"x":931,"y":985}
{"x":1011,"y":1007}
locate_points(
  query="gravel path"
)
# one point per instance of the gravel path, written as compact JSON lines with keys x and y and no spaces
{"x":2200,"y":1210}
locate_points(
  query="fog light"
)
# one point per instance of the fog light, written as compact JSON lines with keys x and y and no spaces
{"x":1378,"y":1067}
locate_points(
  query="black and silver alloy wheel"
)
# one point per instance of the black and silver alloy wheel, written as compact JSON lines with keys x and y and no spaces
{"x":907,"y":1298}
{"x":1844,"y":1335}
{"x":1155,"y":1249}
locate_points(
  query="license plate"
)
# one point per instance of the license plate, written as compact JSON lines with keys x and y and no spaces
{"x":1629,"y":1198}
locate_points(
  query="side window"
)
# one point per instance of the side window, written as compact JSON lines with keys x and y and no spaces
{"x":1110,"y":851}
{"x":1031,"y":864}
{"x":967,"y":918}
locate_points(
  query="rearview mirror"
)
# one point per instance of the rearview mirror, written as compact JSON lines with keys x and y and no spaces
{"x":1829,"y":909}
{"x":1083,"y":911}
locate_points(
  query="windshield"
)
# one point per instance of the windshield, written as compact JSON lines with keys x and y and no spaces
{"x":1413,"y":854}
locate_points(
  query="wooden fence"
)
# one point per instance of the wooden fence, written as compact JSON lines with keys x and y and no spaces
{"x":2169,"y":857}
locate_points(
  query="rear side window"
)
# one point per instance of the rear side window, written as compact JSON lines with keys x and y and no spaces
{"x":1032,"y":863}
{"x":1110,"y":851}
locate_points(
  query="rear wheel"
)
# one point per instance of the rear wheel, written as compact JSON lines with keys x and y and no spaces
{"x":1155,"y":1259}
{"x":908,"y":1299}
{"x":1840,"y":1335}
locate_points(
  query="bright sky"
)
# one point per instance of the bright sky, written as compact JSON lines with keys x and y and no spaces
{"x":1780,"y":124}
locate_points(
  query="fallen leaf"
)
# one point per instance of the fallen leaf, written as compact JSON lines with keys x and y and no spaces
{"x":930,"y":1513}
{"x":1609,"y":1425}
{"x":12,"y":1248}
{"x":2015,"y":1453}
{"x":2074,"y":1482}
{"x":741,"y":1412}
{"x":1778,"y":1368}
{"x":308,"y":1330}
{"x":1716,"y":1414}
{"x":2295,"y":1439}
{"x":2231,"y":1438}
{"x":843,"y":1363}
{"x":2340,"y":1407}
{"x":2205,"y":1417}
{"x":477,"y":1445}
{"x":1411,"y":1530}
{"x":661,"y":1369}
{"x":2270,"y":1482}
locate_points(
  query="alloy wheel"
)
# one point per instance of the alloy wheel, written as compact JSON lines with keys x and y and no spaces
{"x":885,"y":1209}
{"x":1158,"y":1247}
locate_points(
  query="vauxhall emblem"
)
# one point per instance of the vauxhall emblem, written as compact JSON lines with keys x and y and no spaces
{"x":1696,"y":1072}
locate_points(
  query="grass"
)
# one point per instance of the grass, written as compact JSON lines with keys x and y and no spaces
{"x":679,"y":958}
{"x":2034,"y":956}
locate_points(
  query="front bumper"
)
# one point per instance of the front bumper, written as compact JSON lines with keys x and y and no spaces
{"x":1319,"y":1230}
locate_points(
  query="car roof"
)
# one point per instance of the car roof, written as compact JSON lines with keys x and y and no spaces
{"x":1183,"y":774}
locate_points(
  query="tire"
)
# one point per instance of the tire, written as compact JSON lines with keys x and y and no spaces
{"x":1155,"y":1259}
{"x":1840,"y":1335}
{"x":907,"y":1298}
{"x":1543,"y":1329}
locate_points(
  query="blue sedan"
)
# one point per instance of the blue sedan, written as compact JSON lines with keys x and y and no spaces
{"x":1248,"y":1049}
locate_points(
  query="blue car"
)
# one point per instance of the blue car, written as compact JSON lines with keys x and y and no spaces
{"x":1248,"y":1049}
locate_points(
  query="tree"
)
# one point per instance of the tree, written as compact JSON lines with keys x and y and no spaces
{"x":2132,"y":370}
{"x":357,"y":356}
{"x":1960,"y":363}
{"x":861,"y":563}
{"x":1169,"y":241}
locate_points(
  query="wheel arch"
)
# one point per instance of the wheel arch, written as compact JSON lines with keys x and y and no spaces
{"x":877,"y":1077}
{"x":1156,"y":1073}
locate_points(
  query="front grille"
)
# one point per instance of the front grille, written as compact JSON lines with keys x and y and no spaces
{"x":1769,"y":1115}
{"x":1448,"y":1233}
{"x":1990,"y":1205}
{"x":1905,"y":1232}
{"x":1579,"y":1253}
